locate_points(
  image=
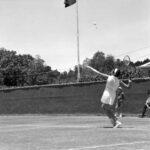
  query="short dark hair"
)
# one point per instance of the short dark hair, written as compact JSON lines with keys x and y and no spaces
{"x":117,"y":72}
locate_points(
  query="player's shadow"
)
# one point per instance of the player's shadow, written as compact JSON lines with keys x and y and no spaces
{"x":107,"y":127}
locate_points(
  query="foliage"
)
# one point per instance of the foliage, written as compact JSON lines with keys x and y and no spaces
{"x":21,"y":70}
{"x":106,"y":64}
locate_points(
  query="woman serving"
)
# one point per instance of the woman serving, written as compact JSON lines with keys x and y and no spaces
{"x":109,"y":95}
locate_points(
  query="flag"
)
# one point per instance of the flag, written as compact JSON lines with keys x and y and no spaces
{"x":69,"y":2}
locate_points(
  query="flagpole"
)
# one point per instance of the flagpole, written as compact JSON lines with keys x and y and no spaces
{"x":78,"y":51}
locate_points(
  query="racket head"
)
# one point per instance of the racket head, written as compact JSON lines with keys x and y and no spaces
{"x":126,"y":60}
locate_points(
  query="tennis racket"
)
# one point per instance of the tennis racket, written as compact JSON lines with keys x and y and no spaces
{"x":126,"y":61}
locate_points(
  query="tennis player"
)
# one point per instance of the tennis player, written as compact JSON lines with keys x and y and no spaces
{"x":109,"y":95}
{"x":147,"y":104}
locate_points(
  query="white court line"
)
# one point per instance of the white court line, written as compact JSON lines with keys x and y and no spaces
{"x":110,"y":145}
{"x":12,"y":128}
{"x":23,"y":127}
{"x":68,"y":126}
{"x":47,"y":125}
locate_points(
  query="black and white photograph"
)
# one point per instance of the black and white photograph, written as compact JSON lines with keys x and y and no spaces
{"x":74,"y":74}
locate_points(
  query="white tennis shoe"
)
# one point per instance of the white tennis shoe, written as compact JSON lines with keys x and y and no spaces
{"x":118,"y":124}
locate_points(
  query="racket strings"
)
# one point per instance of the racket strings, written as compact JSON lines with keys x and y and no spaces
{"x":126,"y":60}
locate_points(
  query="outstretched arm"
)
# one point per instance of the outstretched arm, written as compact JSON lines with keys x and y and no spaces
{"x":102,"y":74}
{"x":126,"y":85}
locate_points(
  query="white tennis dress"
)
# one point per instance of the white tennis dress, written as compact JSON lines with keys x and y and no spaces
{"x":109,"y":93}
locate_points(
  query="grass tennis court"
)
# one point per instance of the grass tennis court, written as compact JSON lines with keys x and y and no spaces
{"x":72,"y":132}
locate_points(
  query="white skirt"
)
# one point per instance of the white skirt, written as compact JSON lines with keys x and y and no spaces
{"x":108,"y":97}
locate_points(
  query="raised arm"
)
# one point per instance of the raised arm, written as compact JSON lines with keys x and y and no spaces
{"x":102,"y":74}
{"x":126,"y":85}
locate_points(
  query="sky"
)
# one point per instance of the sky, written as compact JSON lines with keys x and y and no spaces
{"x":48,"y":29}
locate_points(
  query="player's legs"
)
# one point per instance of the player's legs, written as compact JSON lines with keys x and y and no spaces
{"x":116,"y":110}
{"x":144,"y":111}
{"x":110,"y":113}
{"x":120,"y":108}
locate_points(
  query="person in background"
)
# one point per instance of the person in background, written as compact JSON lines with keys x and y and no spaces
{"x":119,"y":102}
{"x":147,"y":104}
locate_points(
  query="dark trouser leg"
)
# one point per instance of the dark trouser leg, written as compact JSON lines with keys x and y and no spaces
{"x":144,"y":111}
{"x":120,"y":108}
{"x":110,"y":113}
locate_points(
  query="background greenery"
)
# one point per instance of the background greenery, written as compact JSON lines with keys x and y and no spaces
{"x":26,"y":70}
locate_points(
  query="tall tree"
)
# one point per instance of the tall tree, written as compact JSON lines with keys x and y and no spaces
{"x":98,"y":61}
